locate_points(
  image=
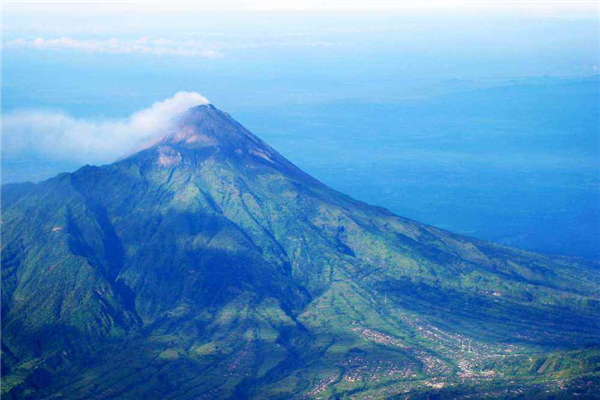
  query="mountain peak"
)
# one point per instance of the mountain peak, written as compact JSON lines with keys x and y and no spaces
{"x":205,"y":126}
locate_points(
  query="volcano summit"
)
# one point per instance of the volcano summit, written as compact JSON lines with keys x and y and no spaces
{"x":207,"y":266}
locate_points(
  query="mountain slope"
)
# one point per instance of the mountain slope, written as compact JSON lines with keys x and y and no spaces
{"x":209,"y":266}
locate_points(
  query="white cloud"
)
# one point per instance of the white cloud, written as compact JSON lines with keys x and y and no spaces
{"x":142,"y":45}
{"x":61,"y":137}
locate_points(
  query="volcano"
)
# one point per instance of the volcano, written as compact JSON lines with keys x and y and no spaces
{"x":208,"y":266}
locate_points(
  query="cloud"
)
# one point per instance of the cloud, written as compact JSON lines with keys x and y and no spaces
{"x":59,"y":136}
{"x":142,"y":45}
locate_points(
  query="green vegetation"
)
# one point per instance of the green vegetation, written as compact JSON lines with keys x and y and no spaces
{"x":208,"y":266}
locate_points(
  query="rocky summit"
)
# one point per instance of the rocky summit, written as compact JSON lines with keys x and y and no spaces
{"x":207,"y":266}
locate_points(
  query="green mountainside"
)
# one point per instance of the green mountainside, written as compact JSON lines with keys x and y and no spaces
{"x":207,"y":266}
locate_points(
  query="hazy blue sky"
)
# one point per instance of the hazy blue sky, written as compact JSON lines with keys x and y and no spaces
{"x":105,"y":59}
{"x":350,"y":91}
{"x":275,"y":52}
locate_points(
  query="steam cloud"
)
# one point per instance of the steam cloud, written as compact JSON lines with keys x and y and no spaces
{"x":61,"y":137}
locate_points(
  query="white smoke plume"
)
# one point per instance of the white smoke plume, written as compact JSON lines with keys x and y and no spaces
{"x":59,"y":136}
